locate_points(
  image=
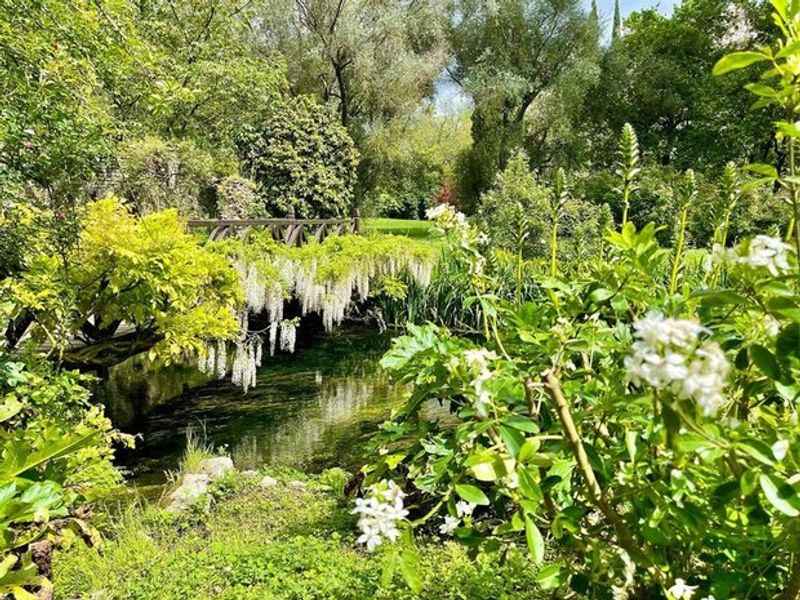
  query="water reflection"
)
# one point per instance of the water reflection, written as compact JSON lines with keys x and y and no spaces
{"x":313,"y":410}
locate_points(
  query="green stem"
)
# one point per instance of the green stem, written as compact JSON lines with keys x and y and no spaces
{"x":626,"y":202}
{"x":554,"y":248}
{"x":678,"y":259}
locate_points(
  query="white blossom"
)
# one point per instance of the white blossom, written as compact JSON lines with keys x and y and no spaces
{"x":768,"y":252}
{"x":380,"y":514}
{"x":449,"y":526}
{"x":619,"y":592}
{"x":680,"y":590}
{"x":464,"y":508}
{"x":668,"y":355}
{"x":780,"y":449}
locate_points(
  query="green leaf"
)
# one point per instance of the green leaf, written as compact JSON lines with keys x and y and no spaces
{"x":765,"y":361}
{"x":471,"y":493}
{"x":409,"y":563}
{"x":763,"y":169}
{"x":484,"y":472}
{"x":522,"y":423}
{"x":549,"y":577}
{"x":528,"y":450}
{"x":758,"y":450}
{"x":737,"y":60}
{"x":513,"y":439}
{"x":535,"y":540}
{"x":780,"y":494}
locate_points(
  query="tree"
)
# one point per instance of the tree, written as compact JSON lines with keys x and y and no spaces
{"x":616,"y":31}
{"x":658,"y":78}
{"x":507,"y":53}
{"x":371,"y":59}
{"x":410,"y":160}
{"x":130,"y":285}
{"x":303,"y":160}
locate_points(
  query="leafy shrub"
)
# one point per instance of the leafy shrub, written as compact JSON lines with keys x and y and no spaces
{"x":303,"y":160}
{"x":514,"y":212}
{"x":237,"y":198}
{"x":156,"y":174}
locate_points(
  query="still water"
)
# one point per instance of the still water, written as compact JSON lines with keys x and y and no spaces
{"x":311,"y":410}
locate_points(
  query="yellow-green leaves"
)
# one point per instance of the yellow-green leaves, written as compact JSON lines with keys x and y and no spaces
{"x":738,"y":60}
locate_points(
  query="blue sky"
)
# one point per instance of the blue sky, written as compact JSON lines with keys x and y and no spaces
{"x":449,"y":99}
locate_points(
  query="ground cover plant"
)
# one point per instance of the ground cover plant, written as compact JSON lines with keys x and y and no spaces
{"x":298,"y":543}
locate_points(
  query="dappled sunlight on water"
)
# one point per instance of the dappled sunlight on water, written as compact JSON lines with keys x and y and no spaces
{"x":312,"y":410}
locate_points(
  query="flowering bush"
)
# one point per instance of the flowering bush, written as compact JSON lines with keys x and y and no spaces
{"x":636,"y":426}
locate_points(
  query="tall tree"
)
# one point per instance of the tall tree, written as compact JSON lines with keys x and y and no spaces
{"x":658,"y":78}
{"x":507,"y":53}
{"x":372,"y":59}
{"x":616,"y":32}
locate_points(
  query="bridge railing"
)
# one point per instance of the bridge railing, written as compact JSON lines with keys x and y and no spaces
{"x":293,"y":232}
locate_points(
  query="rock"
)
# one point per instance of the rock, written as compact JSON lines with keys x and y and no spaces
{"x":216,"y":467}
{"x":250,"y":474}
{"x":297,"y":485}
{"x":193,"y":487}
{"x":268,"y":482}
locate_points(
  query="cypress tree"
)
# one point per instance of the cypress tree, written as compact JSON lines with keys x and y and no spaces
{"x":617,"y":31}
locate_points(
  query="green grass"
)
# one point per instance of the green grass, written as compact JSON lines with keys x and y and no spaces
{"x":421,"y":230}
{"x":275,"y":544}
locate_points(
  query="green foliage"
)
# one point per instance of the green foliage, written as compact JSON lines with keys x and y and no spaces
{"x":146,"y":272}
{"x":276,"y":543}
{"x":657,"y":77}
{"x":514,"y":212}
{"x":627,"y":167}
{"x":507,"y":54}
{"x":303,"y":160}
{"x":372,"y":60}
{"x":409,"y":160}
{"x":155,"y":175}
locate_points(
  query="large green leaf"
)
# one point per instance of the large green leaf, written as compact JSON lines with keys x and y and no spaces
{"x":781,"y":495}
{"x":18,"y":457}
{"x":737,"y":60}
{"x":471,"y":493}
{"x":535,"y":540}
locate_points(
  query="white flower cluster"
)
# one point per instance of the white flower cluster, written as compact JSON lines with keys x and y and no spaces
{"x":478,"y":362}
{"x":215,"y":361}
{"x":246,"y":362}
{"x":379,"y":514}
{"x":680,"y":590}
{"x":669,"y":355}
{"x":451,"y":523}
{"x":764,"y":252}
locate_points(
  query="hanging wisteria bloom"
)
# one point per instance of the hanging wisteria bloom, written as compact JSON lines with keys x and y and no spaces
{"x":380,"y":514}
{"x":478,"y":362}
{"x":669,"y":355}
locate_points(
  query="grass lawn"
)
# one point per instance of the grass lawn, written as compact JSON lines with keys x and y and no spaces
{"x":423,"y":230}
{"x":287,"y":542}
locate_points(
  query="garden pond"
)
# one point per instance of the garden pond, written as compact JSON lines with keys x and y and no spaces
{"x":311,"y":410}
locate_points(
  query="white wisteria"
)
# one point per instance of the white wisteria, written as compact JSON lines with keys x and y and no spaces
{"x":324,"y":280}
